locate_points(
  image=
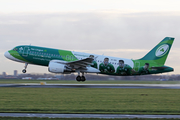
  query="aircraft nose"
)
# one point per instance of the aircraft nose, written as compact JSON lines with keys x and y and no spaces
{"x":6,"y":54}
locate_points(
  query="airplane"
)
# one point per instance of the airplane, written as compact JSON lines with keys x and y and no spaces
{"x":67,"y":62}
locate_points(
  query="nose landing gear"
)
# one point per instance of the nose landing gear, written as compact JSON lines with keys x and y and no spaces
{"x":24,"y":70}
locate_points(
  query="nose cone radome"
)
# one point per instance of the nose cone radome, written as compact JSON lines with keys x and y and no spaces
{"x":7,"y":54}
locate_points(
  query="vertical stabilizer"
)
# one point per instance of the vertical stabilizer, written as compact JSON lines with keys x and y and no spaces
{"x":160,"y":52}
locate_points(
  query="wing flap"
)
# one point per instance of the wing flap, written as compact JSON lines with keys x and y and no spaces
{"x":81,"y":63}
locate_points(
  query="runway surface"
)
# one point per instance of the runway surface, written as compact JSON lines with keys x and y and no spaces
{"x":85,"y":115}
{"x":143,"y":86}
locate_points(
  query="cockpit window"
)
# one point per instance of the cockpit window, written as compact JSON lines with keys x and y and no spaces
{"x":15,"y":49}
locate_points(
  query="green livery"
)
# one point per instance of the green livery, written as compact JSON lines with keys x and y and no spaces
{"x":109,"y":68}
{"x":94,"y":64}
{"x":64,"y":61}
{"x":156,"y":57}
{"x":143,"y":71}
{"x":126,"y":70}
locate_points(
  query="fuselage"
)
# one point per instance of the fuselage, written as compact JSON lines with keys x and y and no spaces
{"x":42,"y":56}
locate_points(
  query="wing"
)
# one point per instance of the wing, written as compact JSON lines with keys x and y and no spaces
{"x":77,"y":64}
{"x":80,"y":63}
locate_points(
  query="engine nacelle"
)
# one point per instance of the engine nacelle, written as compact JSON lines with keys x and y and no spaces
{"x":55,"y":67}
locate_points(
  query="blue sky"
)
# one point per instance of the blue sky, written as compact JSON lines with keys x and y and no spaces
{"x":121,"y":28}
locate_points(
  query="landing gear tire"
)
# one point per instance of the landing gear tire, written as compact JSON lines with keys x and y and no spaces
{"x":78,"y":78}
{"x":83,"y":79}
{"x":24,"y":70}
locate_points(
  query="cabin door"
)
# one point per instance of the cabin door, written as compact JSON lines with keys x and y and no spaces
{"x":25,"y":51}
{"x":137,"y":65}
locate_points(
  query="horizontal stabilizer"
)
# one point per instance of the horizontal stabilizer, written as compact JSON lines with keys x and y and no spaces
{"x":159,"y":68}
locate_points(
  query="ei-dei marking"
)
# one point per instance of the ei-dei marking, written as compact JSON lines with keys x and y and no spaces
{"x":66,"y":62}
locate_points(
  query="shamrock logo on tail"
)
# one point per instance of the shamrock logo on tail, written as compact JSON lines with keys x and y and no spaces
{"x":162,"y":50}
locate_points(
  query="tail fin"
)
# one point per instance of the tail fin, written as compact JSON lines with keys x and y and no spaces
{"x":160,"y":52}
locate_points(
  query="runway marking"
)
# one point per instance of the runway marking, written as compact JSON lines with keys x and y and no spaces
{"x":85,"y":115}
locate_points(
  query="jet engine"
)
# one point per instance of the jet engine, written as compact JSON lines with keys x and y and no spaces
{"x":55,"y":67}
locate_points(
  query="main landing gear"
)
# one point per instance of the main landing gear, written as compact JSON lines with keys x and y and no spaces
{"x":80,"y":78}
{"x":24,"y":70}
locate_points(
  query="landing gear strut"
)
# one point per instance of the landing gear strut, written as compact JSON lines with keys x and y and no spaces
{"x":80,"y":78}
{"x":24,"y":70}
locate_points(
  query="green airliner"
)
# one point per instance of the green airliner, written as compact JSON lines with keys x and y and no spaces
{"x":66,"y":62}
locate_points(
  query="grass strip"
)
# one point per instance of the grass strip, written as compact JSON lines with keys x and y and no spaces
{"x":90,"y":100}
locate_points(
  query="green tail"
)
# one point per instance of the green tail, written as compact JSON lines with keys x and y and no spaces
{"x":160,"y":52}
